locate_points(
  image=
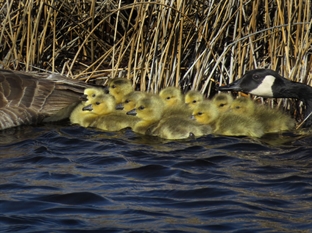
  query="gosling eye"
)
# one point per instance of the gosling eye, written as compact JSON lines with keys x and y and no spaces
{"x":93,"y":95}
{"x":222,"y":105}
{"x":168,"y":98}
{"x":199,"y":113}
{"x":97,"y":103}
{"x":237,"y":107}
{"x":113,"y":86}
{"x":127,"y":101}
{"x":141,"y":108}
{"x":194,"y":101}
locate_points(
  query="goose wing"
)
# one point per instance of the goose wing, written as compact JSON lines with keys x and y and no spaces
{"x":26,"y":99}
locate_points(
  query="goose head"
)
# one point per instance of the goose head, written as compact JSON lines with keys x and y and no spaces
{"x":265,"y":83}
{"x":119,"y":87}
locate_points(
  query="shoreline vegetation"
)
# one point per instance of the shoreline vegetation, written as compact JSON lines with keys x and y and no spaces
{"x":196,"y":45}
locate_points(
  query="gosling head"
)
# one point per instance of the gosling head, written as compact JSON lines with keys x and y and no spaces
{"x":243,"y":106}
{"x":222,"y":101}
{"x":193,"y":98}
{"x":91,"y":93}
{"x":103,"y":104}
{"x":172,"y":96}
{"x":205,"y":113}
{"x":148,"y":108}
{"x":119,"y":87}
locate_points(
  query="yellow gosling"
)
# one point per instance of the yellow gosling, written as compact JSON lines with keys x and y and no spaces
{"x":102,"y":115}
{"x":88,"y":97}
{"x":130,"y":100}
{"x":273,"y":120}
{"x":149,"y":110}
{"x":223,"y":101}
{"x":176,"y":127}
{"x":119,"y":87}
{"x":193,"y":98}
{"x":227,"y":123}
{"x":206,"y":113}
{"x":174,"y":102}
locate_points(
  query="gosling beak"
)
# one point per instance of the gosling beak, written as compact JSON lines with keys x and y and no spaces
{"x":119,"y":106}
{"x":234,"y":86}
{"x":83,"y":98}
{"x":193,"y":117}
{"x":87,"y":108}
{"x":132,"y":112}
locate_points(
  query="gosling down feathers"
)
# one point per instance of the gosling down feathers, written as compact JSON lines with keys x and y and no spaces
{"x":27,"y":99}
{"x":269,"y":83}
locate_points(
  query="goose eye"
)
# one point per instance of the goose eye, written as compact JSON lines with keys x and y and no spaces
{"x":168,"y":98}
{"x":127,"y":101}
{"x":255,"y":77}
{"x":141,"y":108}
{"x":97,"y":103}
{"x":194,"y":101}
{"x":93,"y":95}
{"x":222,"y":105}
{"x":199,"y":113}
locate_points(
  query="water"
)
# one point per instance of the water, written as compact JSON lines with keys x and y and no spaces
{"x":61,"y":178}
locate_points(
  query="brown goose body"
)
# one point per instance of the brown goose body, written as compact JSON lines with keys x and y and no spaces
{"x":27,"y":99}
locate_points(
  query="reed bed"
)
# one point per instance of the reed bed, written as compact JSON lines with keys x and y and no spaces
{"x":192,"y":44}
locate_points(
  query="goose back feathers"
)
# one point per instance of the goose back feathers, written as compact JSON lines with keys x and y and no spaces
{"x":27,"y":99}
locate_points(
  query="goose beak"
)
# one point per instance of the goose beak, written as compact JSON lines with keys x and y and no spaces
{"x":83,"y":98}
{"x":193,"y":117}
{"x":119,"y":106}
{"x":234,"y":86}
{"x":87,"y":108}
{"x":132,"y":112}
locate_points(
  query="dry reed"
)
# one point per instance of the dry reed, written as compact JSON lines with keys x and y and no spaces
{"x":191,"y":44}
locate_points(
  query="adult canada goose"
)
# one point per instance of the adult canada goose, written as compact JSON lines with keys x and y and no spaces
{"x":268,"y":83}
{"x":89,"y":96}
{"x":192,"y":98}
{"x":27,"y":98}
{"x":273,"y":120}
{"x":130,"y":100}
{"x":119,"y":87}
{"x":226,"y":123}
{"x":103,"y":115}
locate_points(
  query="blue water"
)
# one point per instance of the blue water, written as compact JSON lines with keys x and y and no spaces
{"x":62,"y":178}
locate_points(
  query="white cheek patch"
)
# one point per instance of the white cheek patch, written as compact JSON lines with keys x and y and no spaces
{"x":265,"y":87}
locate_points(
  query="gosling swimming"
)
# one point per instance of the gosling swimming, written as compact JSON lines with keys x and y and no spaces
{"x":119,"y":87}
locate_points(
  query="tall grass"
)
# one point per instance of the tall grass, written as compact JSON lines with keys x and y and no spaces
{"x":191,"y":44}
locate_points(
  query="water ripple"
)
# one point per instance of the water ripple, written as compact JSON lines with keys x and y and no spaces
{"x":71,"y":179}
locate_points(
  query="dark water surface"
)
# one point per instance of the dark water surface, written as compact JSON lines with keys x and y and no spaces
{"x":61,"y":178}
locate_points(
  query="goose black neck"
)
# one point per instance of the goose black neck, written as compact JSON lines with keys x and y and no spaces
{"x":284,"y":88}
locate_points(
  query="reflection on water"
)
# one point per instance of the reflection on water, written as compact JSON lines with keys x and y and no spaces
{"x":72,"y":179}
